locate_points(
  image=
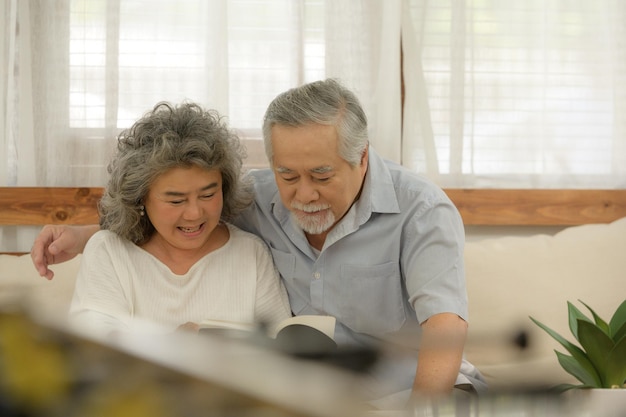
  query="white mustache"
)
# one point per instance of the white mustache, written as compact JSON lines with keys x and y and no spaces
{"x":309,"y":208}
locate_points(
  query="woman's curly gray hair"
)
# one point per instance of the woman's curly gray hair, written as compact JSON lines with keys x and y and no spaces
{"x":170,"y":136}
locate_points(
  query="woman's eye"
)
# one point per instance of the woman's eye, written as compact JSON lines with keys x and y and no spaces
{"x":176,"y":202}
{"x":207,"y":196}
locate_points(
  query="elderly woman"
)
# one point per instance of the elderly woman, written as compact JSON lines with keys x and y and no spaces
{"x":166,"y":253}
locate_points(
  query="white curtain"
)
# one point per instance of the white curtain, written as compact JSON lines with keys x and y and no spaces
{"x":363,"y":50}
{"x":527,"y":94}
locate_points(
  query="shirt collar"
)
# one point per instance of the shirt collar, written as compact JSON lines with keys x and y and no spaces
{"x":378,"y":194}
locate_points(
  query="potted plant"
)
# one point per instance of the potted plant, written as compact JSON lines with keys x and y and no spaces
{"x":599,"y":359}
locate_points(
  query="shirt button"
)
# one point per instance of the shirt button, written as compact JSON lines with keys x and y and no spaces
{"x":316,"y":275}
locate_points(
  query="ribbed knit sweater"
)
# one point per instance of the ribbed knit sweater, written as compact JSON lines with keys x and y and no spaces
{"x":120,"y":285}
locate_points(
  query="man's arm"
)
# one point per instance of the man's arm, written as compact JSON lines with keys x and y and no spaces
{"x":440,"y":355}
{"x":59,"y":243}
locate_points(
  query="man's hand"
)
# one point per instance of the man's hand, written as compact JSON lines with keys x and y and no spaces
{"x":58,"y":243}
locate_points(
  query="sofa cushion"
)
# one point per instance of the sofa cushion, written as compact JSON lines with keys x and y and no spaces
{"x":512,"y":278}
{"x":23,"y":289}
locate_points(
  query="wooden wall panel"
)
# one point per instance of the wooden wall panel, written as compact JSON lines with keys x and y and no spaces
{"x":478,"y":207}
{"x":559,"y":207}
{"x":48,"y":205}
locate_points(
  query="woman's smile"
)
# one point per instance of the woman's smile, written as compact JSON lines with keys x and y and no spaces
{"x":192,"y":231}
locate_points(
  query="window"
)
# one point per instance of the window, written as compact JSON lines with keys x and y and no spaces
{"x":525,"y":93}
{"x":233,"y":56}
{"x":496,"y":93}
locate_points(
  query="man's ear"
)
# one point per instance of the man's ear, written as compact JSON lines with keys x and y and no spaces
{"x":364,"y":155}
{"x":364,"y":164}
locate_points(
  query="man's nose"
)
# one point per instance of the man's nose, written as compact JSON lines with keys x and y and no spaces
{"x":307,"y":192}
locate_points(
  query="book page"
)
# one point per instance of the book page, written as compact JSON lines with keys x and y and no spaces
{"x":225,"y":324}
{"x":325,"y":324}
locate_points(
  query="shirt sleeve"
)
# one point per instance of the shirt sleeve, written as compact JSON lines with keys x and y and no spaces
{"x":100,"y":301}
{"x":432,"y":259}
{"x":96,"y":323}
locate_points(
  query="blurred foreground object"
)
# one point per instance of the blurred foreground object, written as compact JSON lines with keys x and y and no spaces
{"x":51,"y":372}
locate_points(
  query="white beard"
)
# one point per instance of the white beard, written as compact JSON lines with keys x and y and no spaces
{"x":313,"y":224}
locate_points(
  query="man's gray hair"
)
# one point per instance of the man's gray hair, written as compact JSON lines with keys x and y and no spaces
{"x":324,"y":102}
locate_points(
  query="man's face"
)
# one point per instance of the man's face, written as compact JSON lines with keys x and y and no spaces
{"x":314,"y":182}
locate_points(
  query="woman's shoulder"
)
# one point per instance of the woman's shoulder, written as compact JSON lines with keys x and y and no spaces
{"x":106,"y":238}
{"x":239,"y":236}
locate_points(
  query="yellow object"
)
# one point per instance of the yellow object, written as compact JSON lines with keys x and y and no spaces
{"x":35,"y":373}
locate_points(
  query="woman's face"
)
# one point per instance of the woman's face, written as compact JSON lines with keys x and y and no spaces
{"x":185,"y":205}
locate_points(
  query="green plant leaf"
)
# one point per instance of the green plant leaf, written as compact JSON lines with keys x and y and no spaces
{"x":574,"y":314}
{"x":576,"y":352}
{"x":574,"y":368}
{"x":598,"y":320}
{"x":616,"y":360}
{"x":597,"y":345}
{"x":617,"y":322}
{"x":620,"y":333}
{"x":561,"y":388}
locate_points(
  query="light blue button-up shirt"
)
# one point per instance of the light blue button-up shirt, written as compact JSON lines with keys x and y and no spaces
{"x":394,"y":260}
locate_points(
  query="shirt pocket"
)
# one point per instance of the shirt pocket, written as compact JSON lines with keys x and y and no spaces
{"x":372,"y":300}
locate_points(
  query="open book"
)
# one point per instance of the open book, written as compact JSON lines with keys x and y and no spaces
{"x":305,"y":336}
{"x":301,"y":335}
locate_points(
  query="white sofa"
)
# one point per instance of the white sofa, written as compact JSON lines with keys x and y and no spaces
{"x":512,"y":278}
{"x":508,"y":278}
